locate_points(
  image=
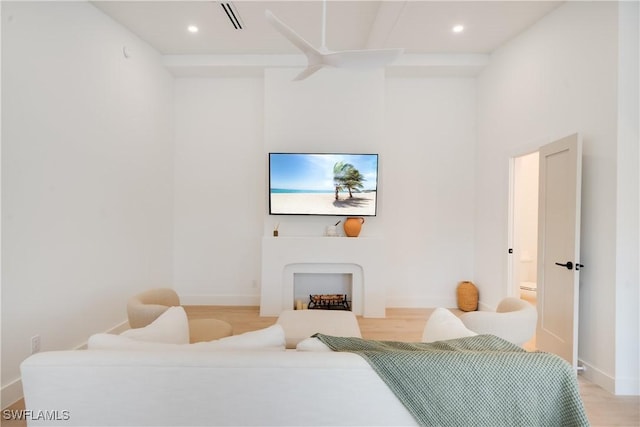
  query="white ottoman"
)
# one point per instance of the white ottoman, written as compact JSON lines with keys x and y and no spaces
{"x":301,"y":324}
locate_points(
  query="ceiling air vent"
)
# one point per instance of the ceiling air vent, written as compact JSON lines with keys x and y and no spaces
{"x":232,"y":14}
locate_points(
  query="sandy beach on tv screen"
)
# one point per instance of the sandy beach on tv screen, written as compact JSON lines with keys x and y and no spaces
{"x":323,"y":203}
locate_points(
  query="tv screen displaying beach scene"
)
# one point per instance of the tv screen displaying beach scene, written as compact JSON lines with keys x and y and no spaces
{"x":323,"y":184}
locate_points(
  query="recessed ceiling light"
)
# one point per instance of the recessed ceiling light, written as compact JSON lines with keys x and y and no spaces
{"x":192,"y":29}
{"x":458,"y":29}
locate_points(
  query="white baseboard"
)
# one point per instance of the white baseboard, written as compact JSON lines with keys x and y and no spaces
{"x":597,"y":376}
{"x":12,"y":392}
{"x":429,"y":302}
{"x":118,"y":329}
{"x":420,"y":302}
{"x":624,"y":386}
{"x":232,"y":300}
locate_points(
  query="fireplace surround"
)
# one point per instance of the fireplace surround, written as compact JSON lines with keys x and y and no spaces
{"x":283,"y":257}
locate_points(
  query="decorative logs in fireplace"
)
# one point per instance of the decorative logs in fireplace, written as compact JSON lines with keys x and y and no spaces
{"x":329,"y":302}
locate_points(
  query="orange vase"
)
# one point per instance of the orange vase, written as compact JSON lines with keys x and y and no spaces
{"x":352,"y":226}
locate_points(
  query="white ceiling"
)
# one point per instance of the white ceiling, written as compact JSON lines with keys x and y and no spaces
{"x":419,"y":26}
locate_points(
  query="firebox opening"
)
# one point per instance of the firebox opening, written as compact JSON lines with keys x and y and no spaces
{"x":307,"y":284}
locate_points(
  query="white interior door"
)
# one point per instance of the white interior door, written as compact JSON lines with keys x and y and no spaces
{"x":558,"y":247}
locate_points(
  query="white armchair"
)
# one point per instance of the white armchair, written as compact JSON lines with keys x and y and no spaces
{"x":514,"y":320}
{"x":144,"y":308}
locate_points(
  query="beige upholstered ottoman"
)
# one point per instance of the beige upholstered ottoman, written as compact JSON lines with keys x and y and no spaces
{"x":208,"y":329}
{"x":301,"y":324}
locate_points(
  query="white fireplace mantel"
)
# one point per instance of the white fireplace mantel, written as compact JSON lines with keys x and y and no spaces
{"x":282,"y":255}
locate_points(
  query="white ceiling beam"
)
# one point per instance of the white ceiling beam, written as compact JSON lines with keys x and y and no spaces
{"x":466,"y":65}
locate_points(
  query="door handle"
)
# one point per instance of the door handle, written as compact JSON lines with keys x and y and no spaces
{"x":568,"y":265}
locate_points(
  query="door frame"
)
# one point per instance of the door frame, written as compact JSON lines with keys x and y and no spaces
{"x":511,"y":287}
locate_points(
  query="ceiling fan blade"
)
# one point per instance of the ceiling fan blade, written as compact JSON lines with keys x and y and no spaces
{"x":308,"y":71}
{"x":319,"y":58}
{"x":290,"y":34}
{"x":370,"y":58}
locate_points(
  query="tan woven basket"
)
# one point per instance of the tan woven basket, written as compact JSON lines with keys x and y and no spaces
{"x":467,"y":296}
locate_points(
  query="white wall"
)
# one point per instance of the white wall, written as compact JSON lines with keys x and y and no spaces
{"x":86,"y":176}
{"x":628,"y":204}
{"x":219,"y":190}
{"x":423,"y":129}
{"x":429,"y":198}
{"x":557,"y":78}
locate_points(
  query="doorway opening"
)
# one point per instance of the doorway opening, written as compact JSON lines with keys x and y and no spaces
{"x":524,"y":228}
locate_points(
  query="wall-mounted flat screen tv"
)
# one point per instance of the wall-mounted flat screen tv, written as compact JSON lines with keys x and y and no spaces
{"x":323,"y":184}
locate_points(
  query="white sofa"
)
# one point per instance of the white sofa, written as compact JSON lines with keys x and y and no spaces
{"x":227,"y":388}
{"x":153,"y":376}
{"x":250,"y":379}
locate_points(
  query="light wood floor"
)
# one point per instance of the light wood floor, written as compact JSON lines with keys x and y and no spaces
{"x":406,"y":324}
